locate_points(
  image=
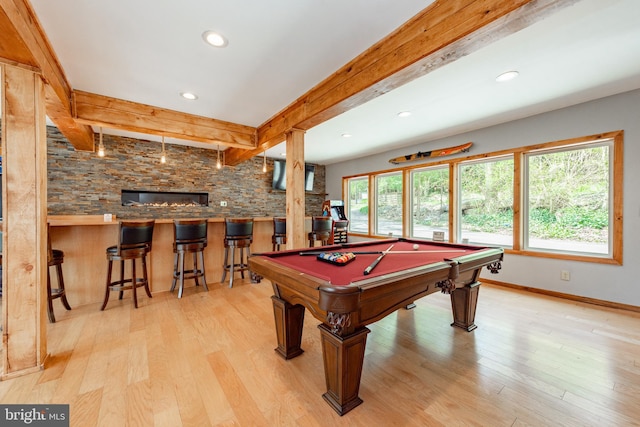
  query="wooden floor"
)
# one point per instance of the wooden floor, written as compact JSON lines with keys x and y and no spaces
{"x":208,"y":359}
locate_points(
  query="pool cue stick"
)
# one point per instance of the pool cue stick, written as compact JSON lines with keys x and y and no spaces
{"x":341,"y":252}
{"x":425,"y":252}
{"x":379,"y":252}
{"x":376,"y":261}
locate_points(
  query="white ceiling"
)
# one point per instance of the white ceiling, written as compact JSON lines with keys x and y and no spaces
{"x":148,"y":51}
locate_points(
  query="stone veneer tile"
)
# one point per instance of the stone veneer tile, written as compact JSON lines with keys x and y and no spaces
{"x":81,"y":183}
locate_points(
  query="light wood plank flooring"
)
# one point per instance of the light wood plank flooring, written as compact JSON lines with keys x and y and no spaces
{"x":208,"y":359}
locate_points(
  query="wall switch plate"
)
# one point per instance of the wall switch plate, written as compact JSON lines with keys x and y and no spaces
{"x":565,"y":275}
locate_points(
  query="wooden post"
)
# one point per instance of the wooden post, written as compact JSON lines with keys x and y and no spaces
{"x":24,"y":184}
{"x":295,"y":197}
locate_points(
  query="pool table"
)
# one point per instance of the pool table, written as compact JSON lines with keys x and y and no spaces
{"x":346,"y":298}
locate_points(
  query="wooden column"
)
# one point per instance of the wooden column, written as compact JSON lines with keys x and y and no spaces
{"x":295,"y":190}
{"x":24,"y":185}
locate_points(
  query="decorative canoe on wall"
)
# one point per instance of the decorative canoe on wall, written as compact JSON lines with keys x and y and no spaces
{"x":433,"y":153}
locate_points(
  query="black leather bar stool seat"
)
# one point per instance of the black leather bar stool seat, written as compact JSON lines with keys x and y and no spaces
{"x":55,"y":258}
{"x":134,"y":242}
{"x":238,"y":235}
{"x":321,"y":229}
{"x":189,"y":236}
{"x":279,"y":236}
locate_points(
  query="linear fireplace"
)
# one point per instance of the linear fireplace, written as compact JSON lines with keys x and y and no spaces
{"x":163,"y":198}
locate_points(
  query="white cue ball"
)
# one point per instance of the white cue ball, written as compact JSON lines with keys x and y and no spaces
{"x":416,"y":247}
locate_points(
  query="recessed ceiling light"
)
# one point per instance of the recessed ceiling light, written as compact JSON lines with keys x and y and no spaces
{"x":404,"y":113}
{"x":188,"y":95}
{"x":505,"y":77}
{"x":346,"y":135}
{"x":215,"y":39}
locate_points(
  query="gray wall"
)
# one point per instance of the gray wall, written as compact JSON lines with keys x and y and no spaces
{"x":619,"y":284}
{"x":81,"y":183}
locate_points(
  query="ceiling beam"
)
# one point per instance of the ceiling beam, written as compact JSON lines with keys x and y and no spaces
{"x":22,"y":41}
{"x":116,"y":113}
{"x":440,"y":34}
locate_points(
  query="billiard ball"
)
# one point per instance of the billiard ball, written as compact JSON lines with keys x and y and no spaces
{"x":416,"y":247}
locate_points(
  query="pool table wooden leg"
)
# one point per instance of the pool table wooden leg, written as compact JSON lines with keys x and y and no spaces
{"x":289,"y":322}
{"x":463,"y":303}
{"x":343,"y":358}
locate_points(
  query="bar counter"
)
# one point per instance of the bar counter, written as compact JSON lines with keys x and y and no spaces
{"x":85,"y":238}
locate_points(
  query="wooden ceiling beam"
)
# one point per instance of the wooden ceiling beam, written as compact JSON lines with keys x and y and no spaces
{"x":22,"y":41}
{"x":440,"y":34}
{"x":113,"y":113}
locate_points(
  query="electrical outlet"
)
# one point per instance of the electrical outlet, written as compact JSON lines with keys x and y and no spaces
{"x":223,"y":204}
{"x":565,"y":275}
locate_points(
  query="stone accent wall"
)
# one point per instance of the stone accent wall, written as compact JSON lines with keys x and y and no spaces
{"x":82,"y":183}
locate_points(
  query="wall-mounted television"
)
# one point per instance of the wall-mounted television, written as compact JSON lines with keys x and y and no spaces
{"x":280,"y":176}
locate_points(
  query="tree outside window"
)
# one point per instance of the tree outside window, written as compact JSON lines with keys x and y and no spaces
{"x":485,"y":202}
{"x":389,"y":204}
{"x":568,"y":204}
{"x":430,"y":202}
{"x":358,"y":204}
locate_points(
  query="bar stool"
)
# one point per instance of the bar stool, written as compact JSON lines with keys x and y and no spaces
{"x":238,"y":234}
{"x":321,"y":228}
{"x":189,"y":236}
{"x":279,"y":233}
{"x":55,"y":258}
{"x":134,"y":242}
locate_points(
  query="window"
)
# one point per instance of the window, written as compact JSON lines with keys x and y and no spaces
{"x":388,"y":211}
{"x":430,"y":201}
{"x":358,"y":204}
{"x":485,"y":201}
{"x":561,"y":199}
{"x":568,"y":203}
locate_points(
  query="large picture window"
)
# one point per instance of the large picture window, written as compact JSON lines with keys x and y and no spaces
{"x":485,"y":201}
{"x":430,"y":201}
{"x":358,"y":204}
{"x":568,"y":199}
{"x":388,"y":210}
{"x":560,"y":199}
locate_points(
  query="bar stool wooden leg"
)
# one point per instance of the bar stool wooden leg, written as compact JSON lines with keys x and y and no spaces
{"x":204,"y":276}
{"x":133,"y":282}
{"x":146,"y":276}
{"x":52,"y":317}
{"x":108,"y":291}
{"x":224,"y":264}
{"x":232,"y":266}
{"x":63,"y":292}
{"x":181,"y":273}
{"x":175,"y":272}
{"x":195,"y":268}
{"x":242,"y":262}
{"x":121,"y":293}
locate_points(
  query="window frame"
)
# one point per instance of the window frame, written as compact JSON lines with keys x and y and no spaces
{"x":616,"y":214}
{"x":458,"y":196}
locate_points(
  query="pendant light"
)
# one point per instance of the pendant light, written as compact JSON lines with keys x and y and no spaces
{"x":100,"y":145}
{"x":163,"y":155}
{"x":264,"y":161}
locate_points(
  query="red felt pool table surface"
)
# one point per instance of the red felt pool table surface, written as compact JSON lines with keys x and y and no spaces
{"x":402,"y":257}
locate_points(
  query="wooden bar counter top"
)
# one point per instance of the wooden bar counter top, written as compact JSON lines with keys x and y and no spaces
{"x":85,"y":238}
